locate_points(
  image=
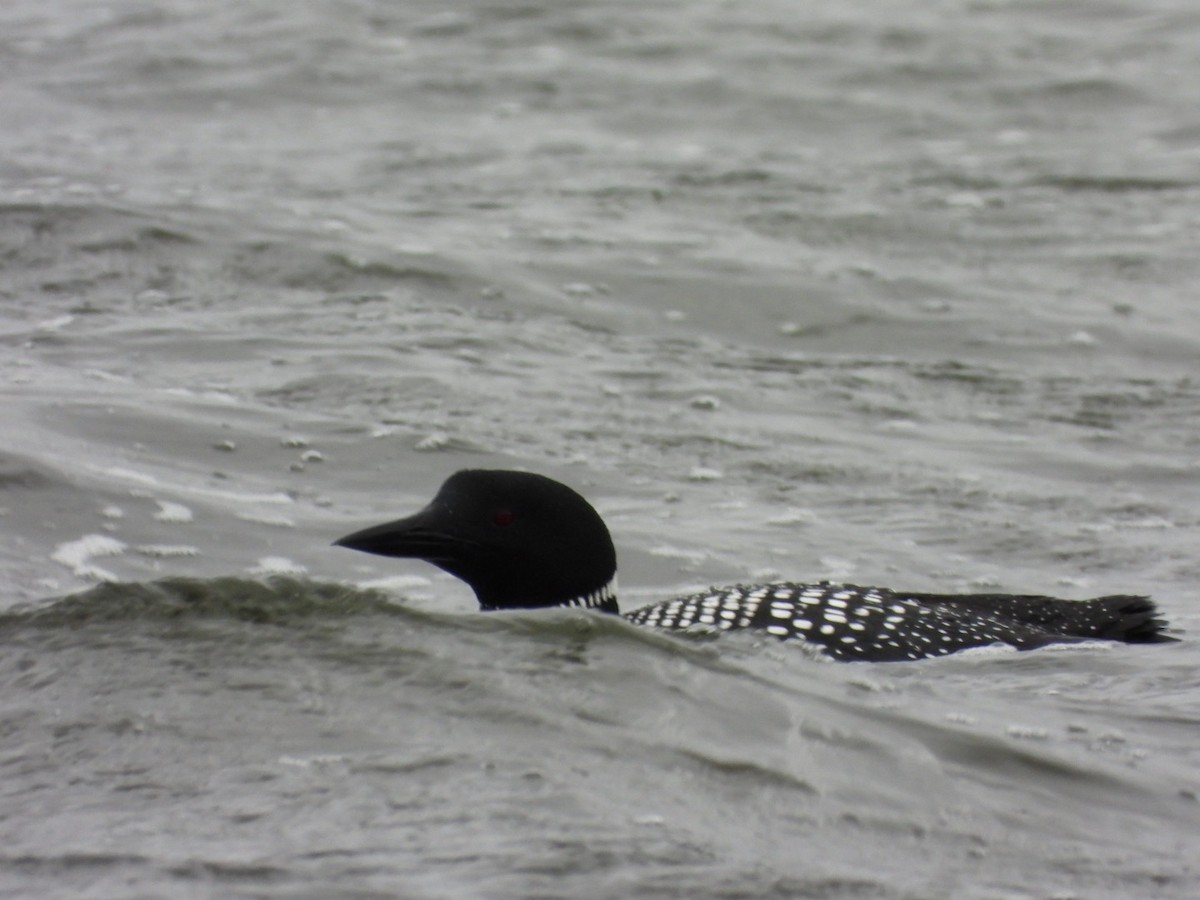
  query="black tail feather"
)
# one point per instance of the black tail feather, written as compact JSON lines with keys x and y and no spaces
{"x":1128,"y":618}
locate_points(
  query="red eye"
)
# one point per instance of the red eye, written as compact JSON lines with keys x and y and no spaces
{"x":503,"y":517}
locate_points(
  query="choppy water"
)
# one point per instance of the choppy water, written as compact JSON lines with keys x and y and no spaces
{"x":902,"y":294}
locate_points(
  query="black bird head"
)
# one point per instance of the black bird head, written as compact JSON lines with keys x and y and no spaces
{"x":518,"y":539}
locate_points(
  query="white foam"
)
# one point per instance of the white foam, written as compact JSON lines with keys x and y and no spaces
{"x":305,"y":762}
{"x":266,"y":519}
{"x":77,"y":555}
{"x":126,"y":474}
{"x":1028,"y":733}
{"x":398,"y":583}
{"x":650,"y":820}
{"x":278,"y":565}
{"x":119,"y":472}
{"x":1081,"y":339}
{"x":173,"y":513}
{"x":212,"y":396}
{"x":55,"y":324}
{"x":1150,"y":522}
{"x":985,"y":651}
{"x":437,"y":440}
{"x":692,"y":556}
{"x":794,"y":515}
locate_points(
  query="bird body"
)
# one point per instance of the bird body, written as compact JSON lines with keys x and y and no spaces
{"x":523,"y":540}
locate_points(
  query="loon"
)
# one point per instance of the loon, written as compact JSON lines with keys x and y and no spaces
{"x":523,"y":540}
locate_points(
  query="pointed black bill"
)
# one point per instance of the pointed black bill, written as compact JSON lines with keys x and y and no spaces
{"x":415,"y":537}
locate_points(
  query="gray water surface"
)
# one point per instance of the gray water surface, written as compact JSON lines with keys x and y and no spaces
{"x":899,"y":295}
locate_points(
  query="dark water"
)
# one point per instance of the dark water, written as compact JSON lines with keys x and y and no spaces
{"x":900,"y":294}
{"x":229,"y":738}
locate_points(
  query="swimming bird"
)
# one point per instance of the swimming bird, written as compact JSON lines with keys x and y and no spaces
{"x":523,"y":540}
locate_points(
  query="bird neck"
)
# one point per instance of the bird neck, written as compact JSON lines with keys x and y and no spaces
{"x":602,"y":599}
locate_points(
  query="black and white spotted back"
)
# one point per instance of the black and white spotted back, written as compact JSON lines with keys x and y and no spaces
{"x":852,"y":622}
